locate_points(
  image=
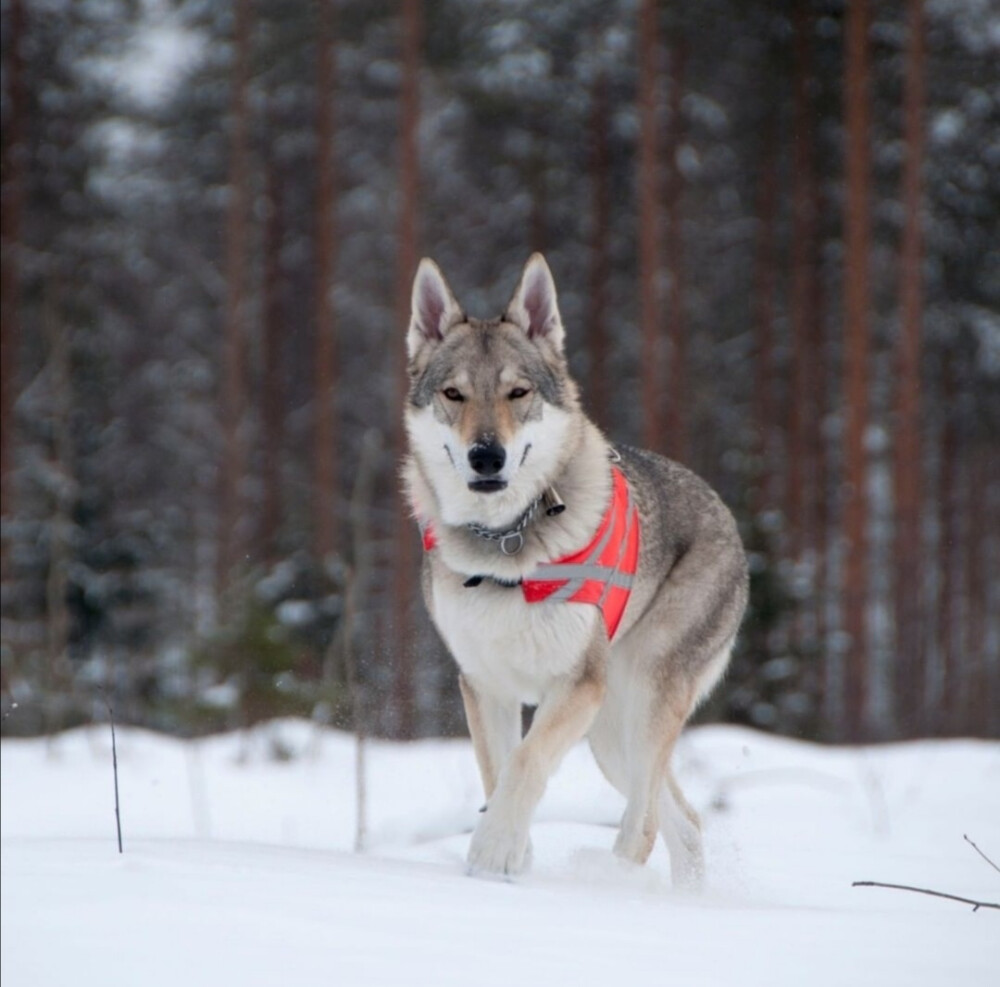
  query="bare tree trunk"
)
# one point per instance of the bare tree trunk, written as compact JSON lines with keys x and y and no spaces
{"x":272,"y":411}
{"x":988,"y":591}
{"x":764,"y":294}
{"x":536,"y":181}
{"x":940,"y":713}
{"x":235,"y":328}
{"x":857,"y":303}
{"x":325,"y":368}
{"x":15,"y":152}
{"x":976,"y":582}
{"x":677,"y":402}
{"x":600,"y":262}
{"x":821,"y":492}
{"x":909,"y":660}
{"x":404,"y":540}
{"x":649,"y":226}
{"x":799,"y":472}
{"x":60,"y":521}
{"x":358,"y":576}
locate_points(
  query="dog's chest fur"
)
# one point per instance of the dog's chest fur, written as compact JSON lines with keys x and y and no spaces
{"x":513,"y":649}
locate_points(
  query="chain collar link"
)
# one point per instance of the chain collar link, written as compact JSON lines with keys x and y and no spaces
{"x":511,"y":539}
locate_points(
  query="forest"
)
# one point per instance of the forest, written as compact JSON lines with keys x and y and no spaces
{"x":774,"y":228}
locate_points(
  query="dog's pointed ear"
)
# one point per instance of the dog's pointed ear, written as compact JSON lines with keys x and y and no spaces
{"x":533,"y":306}
{"x":433,"y":308}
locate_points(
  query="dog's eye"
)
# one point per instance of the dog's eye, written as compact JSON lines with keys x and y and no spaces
{"x":518,"y":392}
{"x":453,"y":394}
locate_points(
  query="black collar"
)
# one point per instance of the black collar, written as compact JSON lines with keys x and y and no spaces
{"x":505,"y":583}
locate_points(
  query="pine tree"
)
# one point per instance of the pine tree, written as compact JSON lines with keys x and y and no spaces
{"x":325,"y":412}
{"x":649,"y":225}
{"x":857,"y":314}
{"x":908,"y":461}
{"x":237,"y":312}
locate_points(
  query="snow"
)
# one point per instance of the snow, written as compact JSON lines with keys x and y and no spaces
{"x":238,"y":867}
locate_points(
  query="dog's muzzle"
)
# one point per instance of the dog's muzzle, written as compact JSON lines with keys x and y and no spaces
{"x":487,"y":459}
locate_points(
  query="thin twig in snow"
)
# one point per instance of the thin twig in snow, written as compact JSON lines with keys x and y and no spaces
{"x":981,"y":854}
{"x":357,"y":581}
{"x":114,"y":763}
{"x":976,"y":905}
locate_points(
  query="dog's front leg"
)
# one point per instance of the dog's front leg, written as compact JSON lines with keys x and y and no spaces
{"x":500,"y":842}
{"x":495,"y":728}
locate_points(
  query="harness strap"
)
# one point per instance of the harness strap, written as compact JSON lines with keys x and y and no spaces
{"x":602,"y":573}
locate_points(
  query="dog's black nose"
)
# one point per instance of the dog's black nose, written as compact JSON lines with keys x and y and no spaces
{"x":487,"y":458}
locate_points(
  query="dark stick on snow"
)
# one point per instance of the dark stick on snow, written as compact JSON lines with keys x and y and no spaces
{"x":981,"y":854}
{"x":114,"y":762}
{"x":976,"y":905}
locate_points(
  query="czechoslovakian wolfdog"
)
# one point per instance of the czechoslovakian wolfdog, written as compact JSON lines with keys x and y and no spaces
{"x":603,"y":585}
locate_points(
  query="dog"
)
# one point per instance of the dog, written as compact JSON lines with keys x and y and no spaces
{"x":604,"y":586}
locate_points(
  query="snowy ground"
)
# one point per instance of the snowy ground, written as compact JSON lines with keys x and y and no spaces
{"x":238,"y":867}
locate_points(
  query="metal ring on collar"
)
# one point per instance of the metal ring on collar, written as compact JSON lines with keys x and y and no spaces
{"x":512,"y":543}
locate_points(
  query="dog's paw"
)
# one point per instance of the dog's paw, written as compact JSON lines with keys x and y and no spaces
{"x":498,"y":850}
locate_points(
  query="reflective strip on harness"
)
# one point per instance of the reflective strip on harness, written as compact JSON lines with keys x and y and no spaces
{"x":601,"y":573}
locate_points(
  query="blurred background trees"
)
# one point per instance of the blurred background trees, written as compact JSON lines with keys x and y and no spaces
{"x":773,"y":226}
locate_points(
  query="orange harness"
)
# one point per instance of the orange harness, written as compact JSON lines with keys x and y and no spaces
{"x":601,"y":573}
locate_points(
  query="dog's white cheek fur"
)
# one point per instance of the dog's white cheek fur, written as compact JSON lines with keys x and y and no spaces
{"x":530,"y":458}
{"x":429,"y":437}
{"x":537,"y":449}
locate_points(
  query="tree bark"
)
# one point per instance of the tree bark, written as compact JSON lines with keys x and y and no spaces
{"x":822,"y":496}
{"x":355,"y":592}
{"x":597,"y":336}
{"x":988,"y":589}
{"x":941,"y":710}
{"x":857,"y":302}
{"x":649,"y":226}
{"x":677,"y":402}
{"x":909,"y":658}
{"x":536,"y":182}
{"x":234,"y":341}
{"x":325,"y":431}
{"x":799,"y":474}
{"x":273,"y":399}
{"x":60,"y":521}
{"x":13,"y":195}
{"x":976,"y":589}
{"x":403,"y":704}
{"x":763,"y":321}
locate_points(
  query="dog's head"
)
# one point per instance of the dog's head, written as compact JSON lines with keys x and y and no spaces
{"x":491,"y":407}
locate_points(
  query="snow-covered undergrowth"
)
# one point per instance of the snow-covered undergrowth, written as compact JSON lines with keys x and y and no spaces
{"x":238,"y":867}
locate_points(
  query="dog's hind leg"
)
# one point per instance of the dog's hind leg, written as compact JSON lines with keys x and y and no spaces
{"x":681,"y":830}
{"x":648,"y":766}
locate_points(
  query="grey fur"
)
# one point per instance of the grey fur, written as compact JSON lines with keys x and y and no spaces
{"x":484,"y":343}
